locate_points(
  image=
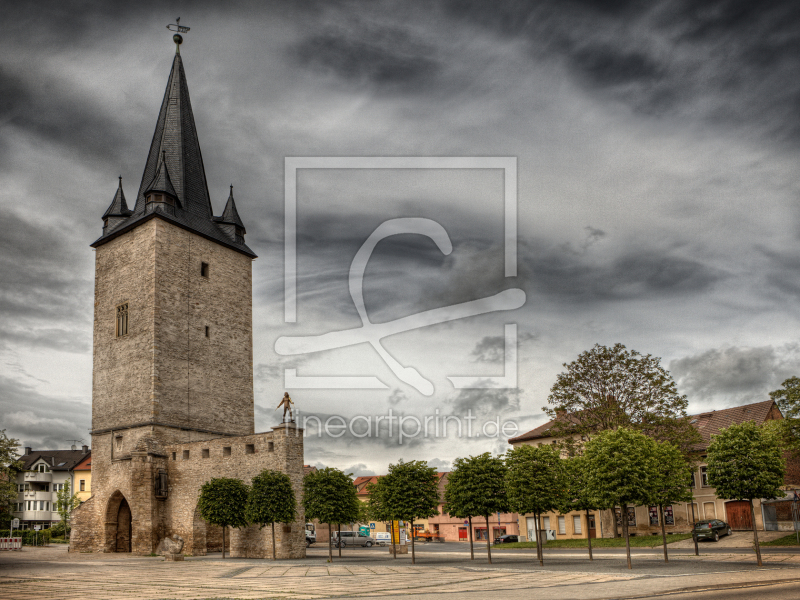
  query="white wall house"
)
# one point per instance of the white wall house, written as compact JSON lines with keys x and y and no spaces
{"x":44,"y":474}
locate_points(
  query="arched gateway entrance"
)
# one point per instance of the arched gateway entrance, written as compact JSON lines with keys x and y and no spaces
{"x":118,"y":524}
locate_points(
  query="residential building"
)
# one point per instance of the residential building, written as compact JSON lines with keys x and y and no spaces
{"x":82,"y":478}
{"x":644,"y":520}
{"x":44,"y":473}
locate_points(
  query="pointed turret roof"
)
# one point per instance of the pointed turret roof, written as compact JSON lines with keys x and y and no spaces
{"x":176,"y":146}
{"x":161,"y":182}
{"x":118,"y":206}
{"x":230,"y":214}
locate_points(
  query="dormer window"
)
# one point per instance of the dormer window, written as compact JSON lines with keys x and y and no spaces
{"x":168,"y":200}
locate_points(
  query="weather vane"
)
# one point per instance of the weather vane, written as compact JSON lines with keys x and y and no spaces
{"x":177,"y":38}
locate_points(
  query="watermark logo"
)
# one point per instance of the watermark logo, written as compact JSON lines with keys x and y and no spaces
{"x":372,"y":333}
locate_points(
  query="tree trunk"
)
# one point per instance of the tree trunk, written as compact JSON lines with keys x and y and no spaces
{"x":394,"y":546}
{"x":626,"y":533}
{"x":663,"y":531}
{"x":274,"y":556}
{"x":339,"y":540}
{"x":412,"y":542}
{"x":539,"y":543}
{"x":471,"y":549}
{"x":330,"y":548}
{"x":223,"y":541}
{"x":694,"y":533}
{"x":488,"y":539}
{"x":589,"y":535}
{"x":755,"y":533}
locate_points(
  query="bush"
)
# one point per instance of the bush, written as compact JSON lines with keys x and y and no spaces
{"x":30,"y":536}
{"x":57,"y":530}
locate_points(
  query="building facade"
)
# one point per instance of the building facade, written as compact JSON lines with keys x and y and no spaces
{"x":644,"y":520}
{"x":452,"y":529}
{"x":172,"y":388}
{"x":82,"y":478}
{"x":44,"y":473}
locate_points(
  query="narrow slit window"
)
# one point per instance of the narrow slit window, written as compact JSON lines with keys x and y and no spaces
{"x":122,"y":320}
{"x":270,"y":446}
{"x":204,"y":269}
{"x":174,"y":456}
{"x":208,"y":333}
{"x":185,"y":455}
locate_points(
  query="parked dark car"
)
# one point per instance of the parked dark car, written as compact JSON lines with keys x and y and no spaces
{"x":711,"y":529}
{"x":506,"y":539}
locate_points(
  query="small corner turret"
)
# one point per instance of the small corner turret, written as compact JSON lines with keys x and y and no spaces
{"x":118,"y":210}
{"x":230,"y":222}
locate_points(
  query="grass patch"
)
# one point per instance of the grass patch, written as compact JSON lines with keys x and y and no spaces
{"x":789,"y":540}
{"x":639,"y":541}
{"x":58,"y":540}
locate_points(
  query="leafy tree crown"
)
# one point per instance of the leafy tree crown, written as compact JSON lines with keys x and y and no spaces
{"x":476,"y":487}
{"x":222,"y":502}
{"x":745,"y":463}
{"x":271,"y":499}
{"x":330,"y":496}
{"x":535,"y":479}
{"x":410,"y":490}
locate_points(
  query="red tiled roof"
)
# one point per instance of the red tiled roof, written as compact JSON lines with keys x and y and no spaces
{"x":308,"y":469}
{"x":707,"y":423}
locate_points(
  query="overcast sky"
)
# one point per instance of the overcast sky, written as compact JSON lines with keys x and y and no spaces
{"x":657,"y":147}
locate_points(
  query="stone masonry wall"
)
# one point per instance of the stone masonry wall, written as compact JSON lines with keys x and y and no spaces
{"x":170,"y":369}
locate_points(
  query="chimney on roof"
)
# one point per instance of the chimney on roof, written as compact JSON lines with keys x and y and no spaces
{"x":85,"y":449}
{"x":28,"y":450}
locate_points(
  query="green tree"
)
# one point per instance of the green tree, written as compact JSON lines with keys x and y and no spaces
{"x":380,"y":509}
{"x":476,"y":488}
{"x":788,"y":428}
{"x":607,"y":388}
{"x":66,"y":503}
{"x":222,"y":502}
{"x":622,"y":471}
{"x":10,"y":465}
{"x":673,"y":482}
{"x":411,"y":492}
{"x":576,"y":495}
{"x":535,"y":483}
{"x":271,"y":500}
{"x":330,"y":497}
{"x":744,"y":463}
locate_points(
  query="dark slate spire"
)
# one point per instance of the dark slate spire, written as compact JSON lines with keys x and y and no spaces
{"x":176,"y":146}
{"x":117,"y":211}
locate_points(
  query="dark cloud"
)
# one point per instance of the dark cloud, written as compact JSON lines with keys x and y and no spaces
{"x":359,"y":470}
{"x":486,"y":403}
{"x":39,"y":421}
{"x":383,"y":57}
{"x":736,"y":375}
{"x":44,"y":300}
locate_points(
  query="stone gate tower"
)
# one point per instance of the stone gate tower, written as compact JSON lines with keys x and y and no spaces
{"x":172,"y":388}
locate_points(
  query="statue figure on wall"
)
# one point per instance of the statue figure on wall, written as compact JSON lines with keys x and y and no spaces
{"x":287,"y":404}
